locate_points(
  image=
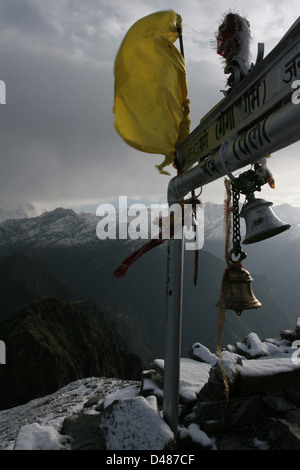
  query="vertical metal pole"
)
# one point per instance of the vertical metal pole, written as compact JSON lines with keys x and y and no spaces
{"x":174,"y":291}
{"x":174,"y":288}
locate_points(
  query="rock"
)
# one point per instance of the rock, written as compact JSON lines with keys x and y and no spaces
{"x":223,"y":414}
{"x":152,"y":400}
{"x":193,"y":438}
{"x":127,"y":392}
{"x":252,"y":347}
{"x":242,"y":439}
{"x":284,"y":435}
{"x":193,"y":376}
{"x":36,"y":437}
{"x":152,"y":384}
{"x":133,"y":424}
{"x":202,"y":354}
{"x":293,"y":416}
{"x":83,"y":430}
{"x":93,"y":401}
{"x":263,"y":375}
{"x":278,"y":403}
{"x":215,"y":387}
{"x":290,"y":335}
{"x":293,"y":394}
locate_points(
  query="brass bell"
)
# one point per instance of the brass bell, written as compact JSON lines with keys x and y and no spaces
{"x":261,"y":222}
{"x":237,"y":292}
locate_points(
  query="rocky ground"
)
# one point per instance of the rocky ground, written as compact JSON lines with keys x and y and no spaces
{"x":262,"y":410}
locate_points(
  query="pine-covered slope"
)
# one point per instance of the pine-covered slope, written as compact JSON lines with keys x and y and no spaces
{"x":52,"y":342}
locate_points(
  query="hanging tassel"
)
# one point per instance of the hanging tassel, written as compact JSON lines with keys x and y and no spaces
{"x":153,"y":243}
{"x":222,"y":309}
{"x":125,"y":265}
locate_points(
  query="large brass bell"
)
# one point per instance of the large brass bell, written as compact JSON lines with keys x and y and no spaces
{"x":237,"y":292}
{"x":261,"y":222}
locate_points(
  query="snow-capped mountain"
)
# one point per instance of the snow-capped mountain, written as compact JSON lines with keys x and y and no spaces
{"x":66,"y":244}
{"x":64,"y":227}
{"x":60,"y":227}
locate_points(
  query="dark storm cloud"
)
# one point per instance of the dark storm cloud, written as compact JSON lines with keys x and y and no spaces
{"x":57,"y":137}
{"x":58,"y":142}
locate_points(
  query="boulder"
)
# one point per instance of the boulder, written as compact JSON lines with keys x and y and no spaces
{"x":217,"y":415}
{"x":36,"y":437}
{"x":263,"y":375}
{"x":203,"y":354}
{"x":134,"y":424}
{"x":230,"y":365}
{"x":82,"y":429}
{"x":284,"y":435}
{"x":252,"y":347}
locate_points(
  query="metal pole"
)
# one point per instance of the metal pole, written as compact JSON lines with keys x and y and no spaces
{"x":174,"y":293}
{"x":174,"y":287}
{"x":271,"y":134}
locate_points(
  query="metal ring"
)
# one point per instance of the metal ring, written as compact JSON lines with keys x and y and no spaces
{"x":242,"y":255}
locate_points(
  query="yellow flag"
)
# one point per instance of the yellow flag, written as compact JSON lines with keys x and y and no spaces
{"x":151,"y":105}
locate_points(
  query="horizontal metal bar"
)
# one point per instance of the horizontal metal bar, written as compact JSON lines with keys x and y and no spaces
{"x":258,"y":95}
{"x":277,"y":131}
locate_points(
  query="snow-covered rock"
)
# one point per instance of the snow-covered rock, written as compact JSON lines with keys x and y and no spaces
{"x":193,"y":376}
{"x":133,"y":424}
{"x":111,"y":414}
{"x":36,"y":437}
{"x":201,"y":353}
{"x":51,"y":410}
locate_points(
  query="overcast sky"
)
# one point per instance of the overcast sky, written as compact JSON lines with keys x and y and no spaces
{"x":57,"y":139}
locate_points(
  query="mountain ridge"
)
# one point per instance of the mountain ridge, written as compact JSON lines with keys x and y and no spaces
{"x":67,"y":247}
{"x":51,"y":342}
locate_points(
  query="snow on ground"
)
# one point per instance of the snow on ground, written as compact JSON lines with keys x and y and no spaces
{"x":264,"y":367}
{"x":36,"y":437}
{"x":38,"y":424}
{"x":194,"y":432}
{"x":129,"y":392}
{"x":193,"y":376}
{"x":51,"y":410}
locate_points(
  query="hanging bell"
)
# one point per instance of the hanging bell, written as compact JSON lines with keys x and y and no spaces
{"x":261,"y":222}
{"x":237,"y":292}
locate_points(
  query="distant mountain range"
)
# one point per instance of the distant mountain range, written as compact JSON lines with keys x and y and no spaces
{"x":58,"y":254}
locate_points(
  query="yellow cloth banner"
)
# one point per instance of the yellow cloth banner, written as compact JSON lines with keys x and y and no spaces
{"x":151,"y":107}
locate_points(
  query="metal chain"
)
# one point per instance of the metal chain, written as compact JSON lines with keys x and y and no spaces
{"x":236,"y":233}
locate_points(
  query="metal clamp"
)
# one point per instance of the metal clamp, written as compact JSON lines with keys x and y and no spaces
{"x":222,"y":156}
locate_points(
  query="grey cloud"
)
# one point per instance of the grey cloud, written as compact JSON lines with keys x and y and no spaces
{"x":58,"y":143}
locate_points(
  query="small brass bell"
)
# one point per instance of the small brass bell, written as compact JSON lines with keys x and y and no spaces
{"x":261,"y":222}
{"x":237,"y":293}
